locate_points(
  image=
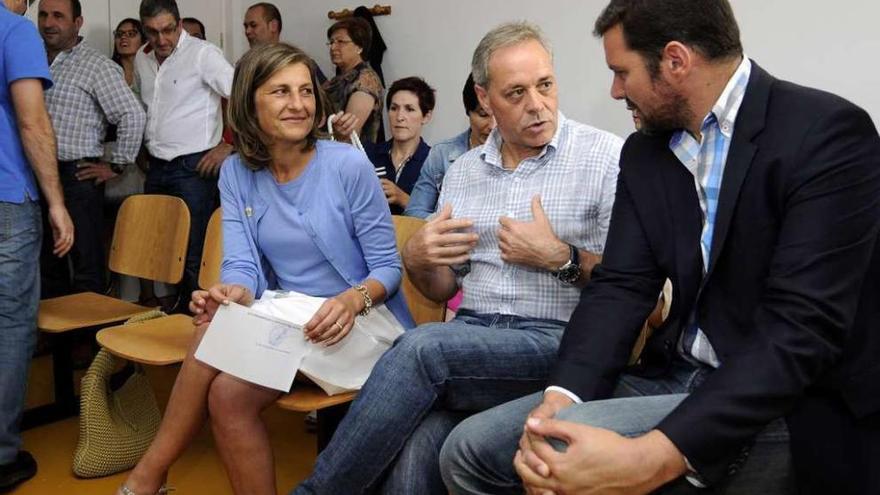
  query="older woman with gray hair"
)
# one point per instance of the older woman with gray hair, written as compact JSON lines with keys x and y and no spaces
{"x":299,"y":214}
{"x":355,"y":94}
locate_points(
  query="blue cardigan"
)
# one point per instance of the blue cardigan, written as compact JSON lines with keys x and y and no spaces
{"x":346,"y":215}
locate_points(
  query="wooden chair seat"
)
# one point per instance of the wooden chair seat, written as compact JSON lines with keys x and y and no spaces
{"x":306,"y":397}
{"x":159,"y":342}
{"x":86,"y":309}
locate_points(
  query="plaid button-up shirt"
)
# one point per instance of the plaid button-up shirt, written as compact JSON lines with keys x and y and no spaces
{"x":90,"y":93}
{"x":576,"y":177}
{"x":705,"y":159}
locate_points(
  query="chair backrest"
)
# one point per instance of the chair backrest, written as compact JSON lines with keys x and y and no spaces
{"x":212,"y":252}
{"x":150,"y":238}
{"x":423,"y":310}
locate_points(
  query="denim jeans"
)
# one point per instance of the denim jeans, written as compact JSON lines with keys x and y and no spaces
{"x":477,"y":457}
{"x":20,"y":232}
{"x":85,"y":204}
{"x":432,"y":376}
{"x":178,"y":177}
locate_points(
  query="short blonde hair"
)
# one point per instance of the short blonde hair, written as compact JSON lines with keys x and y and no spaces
{"x":253,"y":70}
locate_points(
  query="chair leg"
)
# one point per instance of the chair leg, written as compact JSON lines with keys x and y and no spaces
{"x":328,"y":419}
{"x":62,"y":370}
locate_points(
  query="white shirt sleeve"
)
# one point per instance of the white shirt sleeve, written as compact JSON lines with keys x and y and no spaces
{"x":216,"y":71}
{"x":571,"y":395}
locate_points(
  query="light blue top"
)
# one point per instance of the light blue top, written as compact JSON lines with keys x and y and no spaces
{"x":298,"y":263}
{"x":423,"y":198}
{"x":22,"y":56}
{"x":342,"y":210}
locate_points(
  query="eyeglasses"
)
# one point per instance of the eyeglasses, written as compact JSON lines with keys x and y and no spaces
{"x":126,"y":34}
{"x":339,"y":42}
{"x":166,"y":32}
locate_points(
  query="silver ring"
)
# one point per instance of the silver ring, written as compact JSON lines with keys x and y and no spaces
{"x":339,"y":326}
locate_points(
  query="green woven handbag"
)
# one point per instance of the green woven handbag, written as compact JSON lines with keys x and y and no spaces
{"x":115,"y":426}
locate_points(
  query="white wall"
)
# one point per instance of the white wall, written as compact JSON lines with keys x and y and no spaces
{"x":832,"y":46}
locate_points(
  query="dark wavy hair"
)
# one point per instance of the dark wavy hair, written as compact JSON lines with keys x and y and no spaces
{"x":469,"y":96}
{"x":417,"y":86}
{"x":253,"y":70}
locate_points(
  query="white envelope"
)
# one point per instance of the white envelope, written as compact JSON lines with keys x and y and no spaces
{"x":253,"y":346}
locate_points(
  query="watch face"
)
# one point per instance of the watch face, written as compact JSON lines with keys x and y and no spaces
{"x":569,"y":273}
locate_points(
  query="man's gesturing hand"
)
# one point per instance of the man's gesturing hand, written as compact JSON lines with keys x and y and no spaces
{"x":441,"y":242}
{"x":532,"y":243}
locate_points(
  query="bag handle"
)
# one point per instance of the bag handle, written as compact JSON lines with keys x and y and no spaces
{"x":355,"y":140}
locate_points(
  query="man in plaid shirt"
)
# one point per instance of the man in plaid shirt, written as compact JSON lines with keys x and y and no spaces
{"x":89,"y":94}
{"x":522,"y":222}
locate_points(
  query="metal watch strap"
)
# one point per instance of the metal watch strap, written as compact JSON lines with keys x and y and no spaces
{"x":368,"y":301}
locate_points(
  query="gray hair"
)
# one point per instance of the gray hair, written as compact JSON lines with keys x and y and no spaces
{"x":510,"y":33}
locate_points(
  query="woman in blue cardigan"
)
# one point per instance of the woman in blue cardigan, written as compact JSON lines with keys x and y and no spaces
{"x":299,"y":214}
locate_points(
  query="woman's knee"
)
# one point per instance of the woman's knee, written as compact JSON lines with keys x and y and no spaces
{"x":230,"y":398}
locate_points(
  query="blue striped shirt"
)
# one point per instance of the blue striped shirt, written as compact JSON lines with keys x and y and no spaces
{"x":705,"y":159}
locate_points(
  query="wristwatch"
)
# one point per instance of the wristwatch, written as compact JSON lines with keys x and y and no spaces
{"x":117,"y":168}
{"x":570,"y":272}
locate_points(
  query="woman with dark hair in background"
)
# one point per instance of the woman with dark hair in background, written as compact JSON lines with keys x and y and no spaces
{"x":399,"y":160}
{"x":128,"y":37}
{"x":127,"y":40}
{"x":356,"y":91}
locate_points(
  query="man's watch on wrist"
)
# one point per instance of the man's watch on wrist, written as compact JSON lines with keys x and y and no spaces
{"x":570,"y":272}
{"x":117,"y":168}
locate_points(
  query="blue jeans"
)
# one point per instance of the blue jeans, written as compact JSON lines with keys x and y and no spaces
{"x":477,"y":457}
{"x":178,"y":177}
{"x":431,"y":378}
{"x":20,"y":235}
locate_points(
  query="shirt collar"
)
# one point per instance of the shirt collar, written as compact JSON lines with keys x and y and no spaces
{"x":491,"y":151}
{"x":727,"y":106}
{"x":66,"y":53}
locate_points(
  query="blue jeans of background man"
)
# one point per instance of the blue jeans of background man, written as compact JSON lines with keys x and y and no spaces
{"x":85,"y":204}
{"x":20,"y":233}
{"x":467,"y":365}
{"x":477,"y":457}
{"x":178,"y":177}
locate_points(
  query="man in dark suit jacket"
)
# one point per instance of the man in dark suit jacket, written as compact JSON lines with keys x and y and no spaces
{"x":760,"y":200}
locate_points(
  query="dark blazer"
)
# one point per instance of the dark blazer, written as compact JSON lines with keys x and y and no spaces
{"x":790,"y":301}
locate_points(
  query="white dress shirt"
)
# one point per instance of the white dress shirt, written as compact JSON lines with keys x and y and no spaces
{"x":182,"y":96}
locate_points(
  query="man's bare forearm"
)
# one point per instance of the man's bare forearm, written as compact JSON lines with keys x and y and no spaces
{"x":38,"y":138}
{"x":39,"y":147}
{"x":437,"y":283}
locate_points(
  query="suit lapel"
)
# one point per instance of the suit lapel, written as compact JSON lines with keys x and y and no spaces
{"x":749,"y":123}
{"x":686,"y":220}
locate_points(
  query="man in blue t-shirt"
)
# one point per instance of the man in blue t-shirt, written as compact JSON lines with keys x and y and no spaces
{"x":27,"y":151}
